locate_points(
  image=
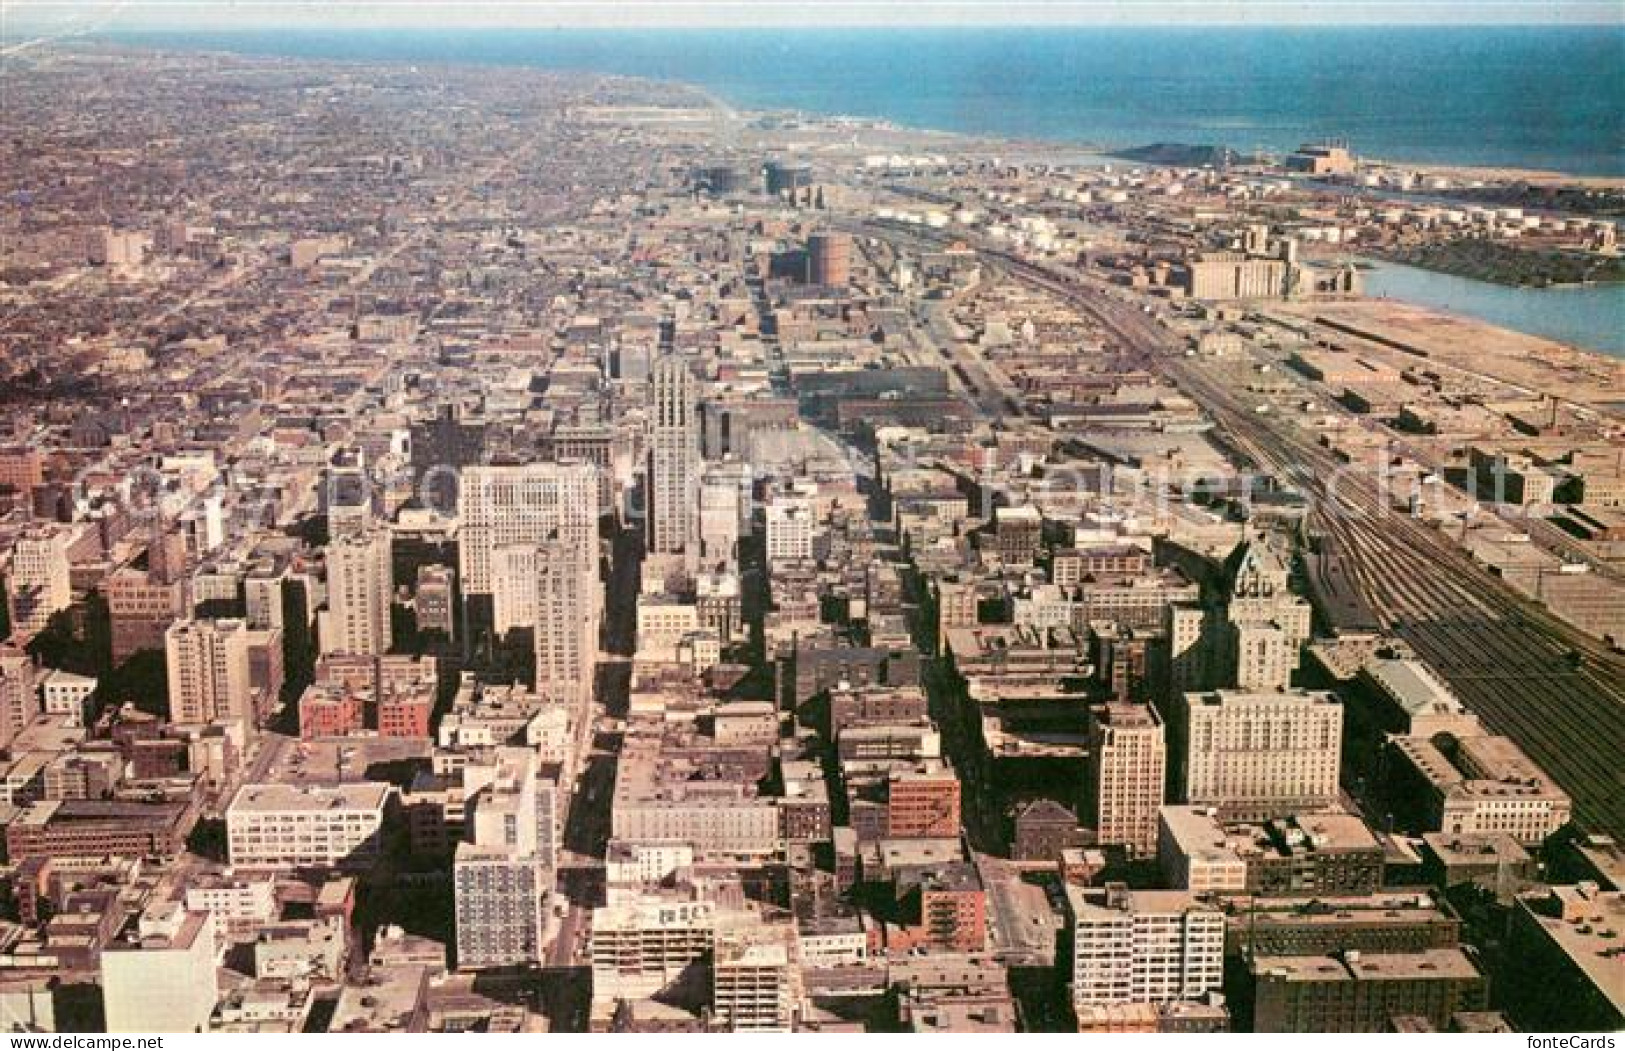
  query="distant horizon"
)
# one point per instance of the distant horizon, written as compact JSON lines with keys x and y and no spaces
{"x":841,"y":27}
{"x":104,"y":16}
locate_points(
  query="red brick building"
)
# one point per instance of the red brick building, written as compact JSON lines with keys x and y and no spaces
{"x":330,"y":713}
{"x":923,"y":806}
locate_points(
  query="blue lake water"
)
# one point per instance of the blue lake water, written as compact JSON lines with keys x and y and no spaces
{"x":1535,"y":97}
{"x":1591,"y":316}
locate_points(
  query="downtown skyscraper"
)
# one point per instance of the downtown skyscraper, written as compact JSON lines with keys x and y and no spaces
{"x":674,"y":458}
{"x":359,"y":590}
{"x":503,"y":505}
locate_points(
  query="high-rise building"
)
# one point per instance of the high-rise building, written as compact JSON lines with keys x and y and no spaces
{"x":501,"y":505}
{"x":1143,"y":947}
{"x":1266,"y":623}
{"x":359,"y":588}
{"x":142,"y":604}
{"x":1264,"y":656}
{"x":160,"y":977}
{"x":1256,"y":756}
{"x":209,"y":669}
{"x":433,"y":599}
{"x":674,"y":457}
{"x":722,"y":506}
{"x":38,"y":581}
{"x":514,"y":574}
{"x":567,"y":620}
{"x":498,"y":905}
{"x":347,"y":495}
{"x":499,"y":880}
{"x":19,"y":693}
{"x":1128,"y":764}
{"x":597,"y":444}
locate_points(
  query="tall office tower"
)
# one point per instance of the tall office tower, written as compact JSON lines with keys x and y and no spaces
{"x":1143,"y":947}
{"x":829,"y":259}
{"x":1259,"y":591}
{"x":210,"y":673}
{"x":719,"y":518}
{"x":359,"y":586}
{"x":433,"y":600}
{"x":498,"y":880}
{"x":674,"y":458}
{"x":957,"y":605}
{"x":348,"y":497}
{"x":498,"y":904}
{"x":1259,"y":756}
{"x":1128,"y":765}
{"x":593,"y":443}
{"x":568,"y":608}
{"x":518,"y":574}
{"x":38,"y":583}
{"x":1187,"y":642}
{"x":522,"y":505}
{"x":514,"y":574}
{"x":19,"y":692}
{"x":1263,"y":655}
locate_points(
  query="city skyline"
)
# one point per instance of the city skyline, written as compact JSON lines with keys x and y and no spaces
{"x":490,"y":547}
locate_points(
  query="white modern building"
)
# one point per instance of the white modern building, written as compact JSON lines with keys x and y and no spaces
{"x":1143,"y":947}
{"x":160,"y":977}
{"x":307,"y":826}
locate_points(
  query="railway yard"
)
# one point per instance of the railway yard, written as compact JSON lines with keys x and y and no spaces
{"x":1511,"y":662}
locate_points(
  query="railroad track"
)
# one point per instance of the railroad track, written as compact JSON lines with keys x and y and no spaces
{"x":1507,"y":658}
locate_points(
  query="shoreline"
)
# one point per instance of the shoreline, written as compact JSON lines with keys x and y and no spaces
{"x":1377,"y":255}
{"x":710,"y":100}
{"x":1534,"y":176}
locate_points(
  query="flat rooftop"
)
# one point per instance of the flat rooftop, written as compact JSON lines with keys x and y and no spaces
{"x":275,"y":798}
{"x":1369,"y":967}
